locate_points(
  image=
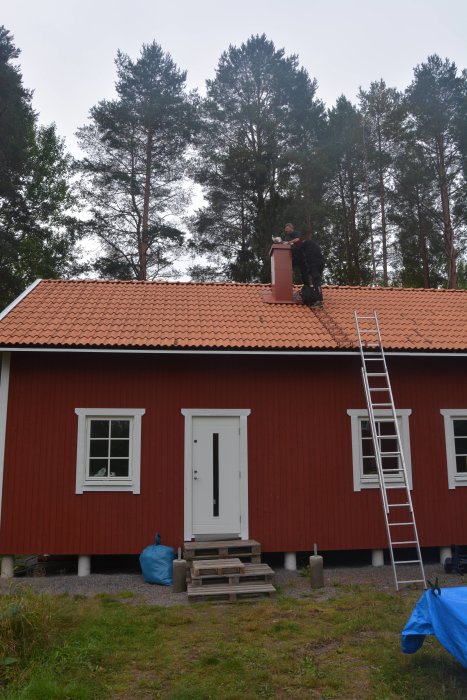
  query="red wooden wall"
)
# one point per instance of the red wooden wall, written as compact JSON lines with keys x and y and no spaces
{"x":299,"y":447}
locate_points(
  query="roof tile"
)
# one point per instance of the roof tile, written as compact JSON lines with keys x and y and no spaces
{"x":94,"y":313}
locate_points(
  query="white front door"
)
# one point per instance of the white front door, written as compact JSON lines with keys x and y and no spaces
{"x":216,"y":475}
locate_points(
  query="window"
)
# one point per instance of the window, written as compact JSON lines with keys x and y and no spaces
{"x":108,"y":452}
{"x":455,"y":428}
{"x":364,"y":464}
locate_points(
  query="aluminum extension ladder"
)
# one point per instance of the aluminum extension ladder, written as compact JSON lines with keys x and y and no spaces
{"x":390,"y":464}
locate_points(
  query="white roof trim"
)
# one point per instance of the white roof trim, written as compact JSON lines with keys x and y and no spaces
{"x":277,"y":353}
{"x":18,"y":299}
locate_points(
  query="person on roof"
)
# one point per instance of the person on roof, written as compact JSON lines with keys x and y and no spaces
{"x":308,"y":257}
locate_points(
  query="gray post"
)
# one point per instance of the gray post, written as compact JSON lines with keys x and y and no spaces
{"x":179,"y":573}
{"x":316,"y":570}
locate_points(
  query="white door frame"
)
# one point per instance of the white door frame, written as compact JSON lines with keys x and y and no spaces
{"x":242,"y":414}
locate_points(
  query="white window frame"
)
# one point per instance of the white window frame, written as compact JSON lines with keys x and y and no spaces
{"x":132,"y":481}
{"x":454,"y":479}
{"x":361,"y":482}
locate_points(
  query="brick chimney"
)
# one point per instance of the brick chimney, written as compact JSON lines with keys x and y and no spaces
{"x":281,"y":275}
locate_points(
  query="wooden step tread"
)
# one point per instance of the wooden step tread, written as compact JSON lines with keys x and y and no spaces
{"x":232,"y":592}
{"x":262,"y":572}
{"x":217,"y":544}
{"x":217,"y":567}
{"x":225,"y":549}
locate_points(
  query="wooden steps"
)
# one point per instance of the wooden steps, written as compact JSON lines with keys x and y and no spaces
{"x":243,"y":549}
{"x":216,"y":567}
{"x":230,"y":591}
{"x":217,"y":571}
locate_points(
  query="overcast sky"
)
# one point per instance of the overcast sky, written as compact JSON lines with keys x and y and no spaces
{"x":68,"y":47}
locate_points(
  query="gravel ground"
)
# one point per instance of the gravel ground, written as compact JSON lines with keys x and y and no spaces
{"x":290,"y":583}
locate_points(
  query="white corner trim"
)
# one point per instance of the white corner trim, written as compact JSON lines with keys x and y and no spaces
{"x":134,"y":483}
{"x":4,"y":385}
{"x":189,"y":414}
{"x":16,"y":301}
{"x":357,"y":413}
{"x":454,"y":479}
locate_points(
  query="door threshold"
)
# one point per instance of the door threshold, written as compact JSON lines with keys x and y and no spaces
{"x":221,"y":537}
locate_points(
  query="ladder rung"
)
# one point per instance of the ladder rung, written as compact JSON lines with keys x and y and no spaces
{"x":380,"y":405}
{"x":407,"y":561}
{"x":386,"y":437}
{"x":398,"y":505}
{"x":414,"y":580}
{"x":378,"y":388}
{"x":376,"y":374}
{"x":399,"y":524}
{"x":373,"y":359}
{"x":405,"y":542}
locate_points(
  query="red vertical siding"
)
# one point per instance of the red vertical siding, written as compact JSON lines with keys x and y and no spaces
{"x":299,"y":447}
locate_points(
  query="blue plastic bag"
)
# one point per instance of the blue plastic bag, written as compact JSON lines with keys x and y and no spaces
{"x":444,"y":615}
{"x":156,"y":562}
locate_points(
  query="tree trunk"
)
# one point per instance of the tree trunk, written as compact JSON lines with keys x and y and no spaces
{"x":370,"y":213}
{"x":447,"y":225}
{"x":353,"y":227}
{"x":348,"y":251}
{"x":144,"y":241}
{"x":382,"y":198}
{"x":422,"y":244}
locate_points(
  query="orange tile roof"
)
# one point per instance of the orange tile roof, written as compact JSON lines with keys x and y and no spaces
{"x":177,"y":315}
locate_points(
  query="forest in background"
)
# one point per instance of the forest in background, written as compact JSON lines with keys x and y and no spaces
{"x":380,"y":183}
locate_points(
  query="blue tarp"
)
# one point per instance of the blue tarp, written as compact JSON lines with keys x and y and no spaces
{"x":445,"y":616}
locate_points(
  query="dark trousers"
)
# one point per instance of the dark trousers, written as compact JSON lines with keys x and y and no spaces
{"x":310,"y":270}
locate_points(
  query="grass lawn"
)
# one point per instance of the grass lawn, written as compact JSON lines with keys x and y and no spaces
{"x":347,"y":646}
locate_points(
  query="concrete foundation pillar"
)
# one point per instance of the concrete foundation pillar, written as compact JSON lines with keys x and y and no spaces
{"x":444,"y":553}
{"x":377,"y":557}
{"x":290,"y":561}
{"x":8,"y":567}
{"x":84,"y":565}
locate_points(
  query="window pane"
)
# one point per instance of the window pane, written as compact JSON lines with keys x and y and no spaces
{"x":99,"y":428}
{"x":365,"y":428}
{"x":98,"y":467}
{"x":369,"y":466}
{"x":461,"y":464}
{"x":119,"y":467}
{"x":461,"y":446}
{"x":389,"y":463}
{"x":460,"y":428}
{"x":119,"y":448}
{"x":120,"y":429}
{"x":387,"y":428}
{"x":388,"y":445}
{"x":98,"y":448}
{"x":367,"y":448}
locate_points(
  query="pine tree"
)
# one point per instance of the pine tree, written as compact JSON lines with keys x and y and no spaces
{"x":259,"y":111}
{"x":350,"y":255}
{"x":435,"y":100}
{"x":38,"y":229}
{"x":382,"y":115}
{"x":135,"y":166}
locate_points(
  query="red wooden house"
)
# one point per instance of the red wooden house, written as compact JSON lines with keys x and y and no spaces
{"x":222,"y":410}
